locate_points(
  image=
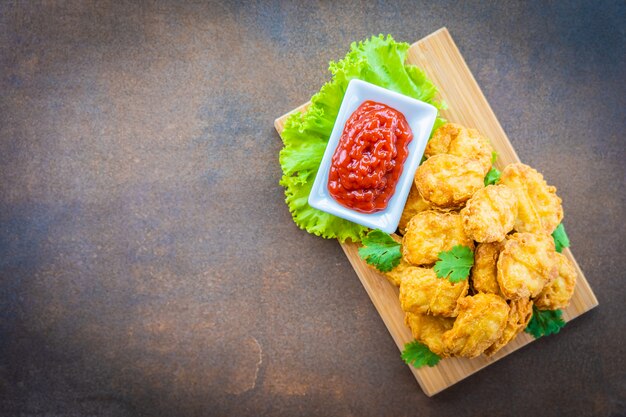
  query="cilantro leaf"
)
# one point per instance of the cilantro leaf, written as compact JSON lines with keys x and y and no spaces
{"x":545,"y":322}
{"x":455,"y":264}
{"x":379,"y":60}
{"x":494,"y":157}
{"x":492,"y":176}
{"x":418,"y":355}
{"x":560,"y":238}
{"x":380,"y":250}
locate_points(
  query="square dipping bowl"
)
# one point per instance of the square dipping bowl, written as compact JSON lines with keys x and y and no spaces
{"x":420,"y":117}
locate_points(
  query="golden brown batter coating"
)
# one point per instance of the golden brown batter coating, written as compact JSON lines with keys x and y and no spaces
{"x":396,"y":275}
{"x":421,"y":292}
{"x":490,"y":214}
{"x":539,"y":208}
{"x":457,"y":140}
{"x":558,"y":293}
{"x":429,"y":330}
{"x":519,"y":316}
{"x":527,"y":263}
{"x":430,"y":232}
{"x":480,"y":323}
{"x":448,"y":181}
{"x":484,"y":271}
{"x":414,"y":204}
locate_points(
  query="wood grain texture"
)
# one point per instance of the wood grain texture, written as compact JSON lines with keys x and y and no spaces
{"x":439,"y":57}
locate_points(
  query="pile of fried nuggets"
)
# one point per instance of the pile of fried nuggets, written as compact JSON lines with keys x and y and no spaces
{"x":509,"y":226}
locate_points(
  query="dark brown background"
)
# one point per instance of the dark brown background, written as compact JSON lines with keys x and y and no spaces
{"x":148,"y":264}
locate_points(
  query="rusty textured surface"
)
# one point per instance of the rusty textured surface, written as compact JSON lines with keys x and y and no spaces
{"x":148,"y":265}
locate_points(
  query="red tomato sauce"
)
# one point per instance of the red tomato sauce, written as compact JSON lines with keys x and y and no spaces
{"x":368,"y":161}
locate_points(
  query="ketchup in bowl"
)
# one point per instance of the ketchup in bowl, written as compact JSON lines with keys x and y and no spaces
{"x":368,"y":161}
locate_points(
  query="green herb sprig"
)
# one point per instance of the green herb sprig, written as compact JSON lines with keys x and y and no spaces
{"x":380,"y":250}
{"x":545,"y":322}
{"x":455,"y":264}
{"x":417,"y":355}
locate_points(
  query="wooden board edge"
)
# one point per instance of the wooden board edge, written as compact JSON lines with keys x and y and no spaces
{"x":584,"y":283}
{"x":361,"y":269}
{"x":444,"y":32}
{"x":515,"y":349}
{"x":279,"y":123}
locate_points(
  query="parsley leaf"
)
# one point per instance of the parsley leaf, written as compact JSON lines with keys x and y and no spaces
{"x":545,"y":322}
{"x":492,"y":176}
{"x":418,"y":355}
{"x":560,"y":238}
{"x":494,"y":157}
{"x":380,"y":250}
{"x":455,"y":264}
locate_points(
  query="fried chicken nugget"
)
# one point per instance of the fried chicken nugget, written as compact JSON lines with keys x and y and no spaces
{"x":431,"y":232}
{"x":484,"y":271}
{"x":490,"y":214}
{"x":539,"y":208}
{"x":429,"y":330}
{"x":520,"y":314}
{"x":421,"y":292}
{"x":414,"y":204}
{"x":558,"y":293}
{"x":458,"y":140}
{"x":526,"y":265}
{"x":396,"y":275}
{"x":448,"y":181}
{"x":480,"y":323}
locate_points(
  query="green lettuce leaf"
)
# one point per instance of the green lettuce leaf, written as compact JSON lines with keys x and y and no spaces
{"x":378,"y":60}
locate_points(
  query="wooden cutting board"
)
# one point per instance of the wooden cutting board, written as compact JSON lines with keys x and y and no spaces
{"x":439,"y":57}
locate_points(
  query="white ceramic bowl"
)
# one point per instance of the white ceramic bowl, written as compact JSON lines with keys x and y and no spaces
{"x":421,"y":118}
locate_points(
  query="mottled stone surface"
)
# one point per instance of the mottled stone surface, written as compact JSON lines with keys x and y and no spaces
{"x":148,"y":264}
